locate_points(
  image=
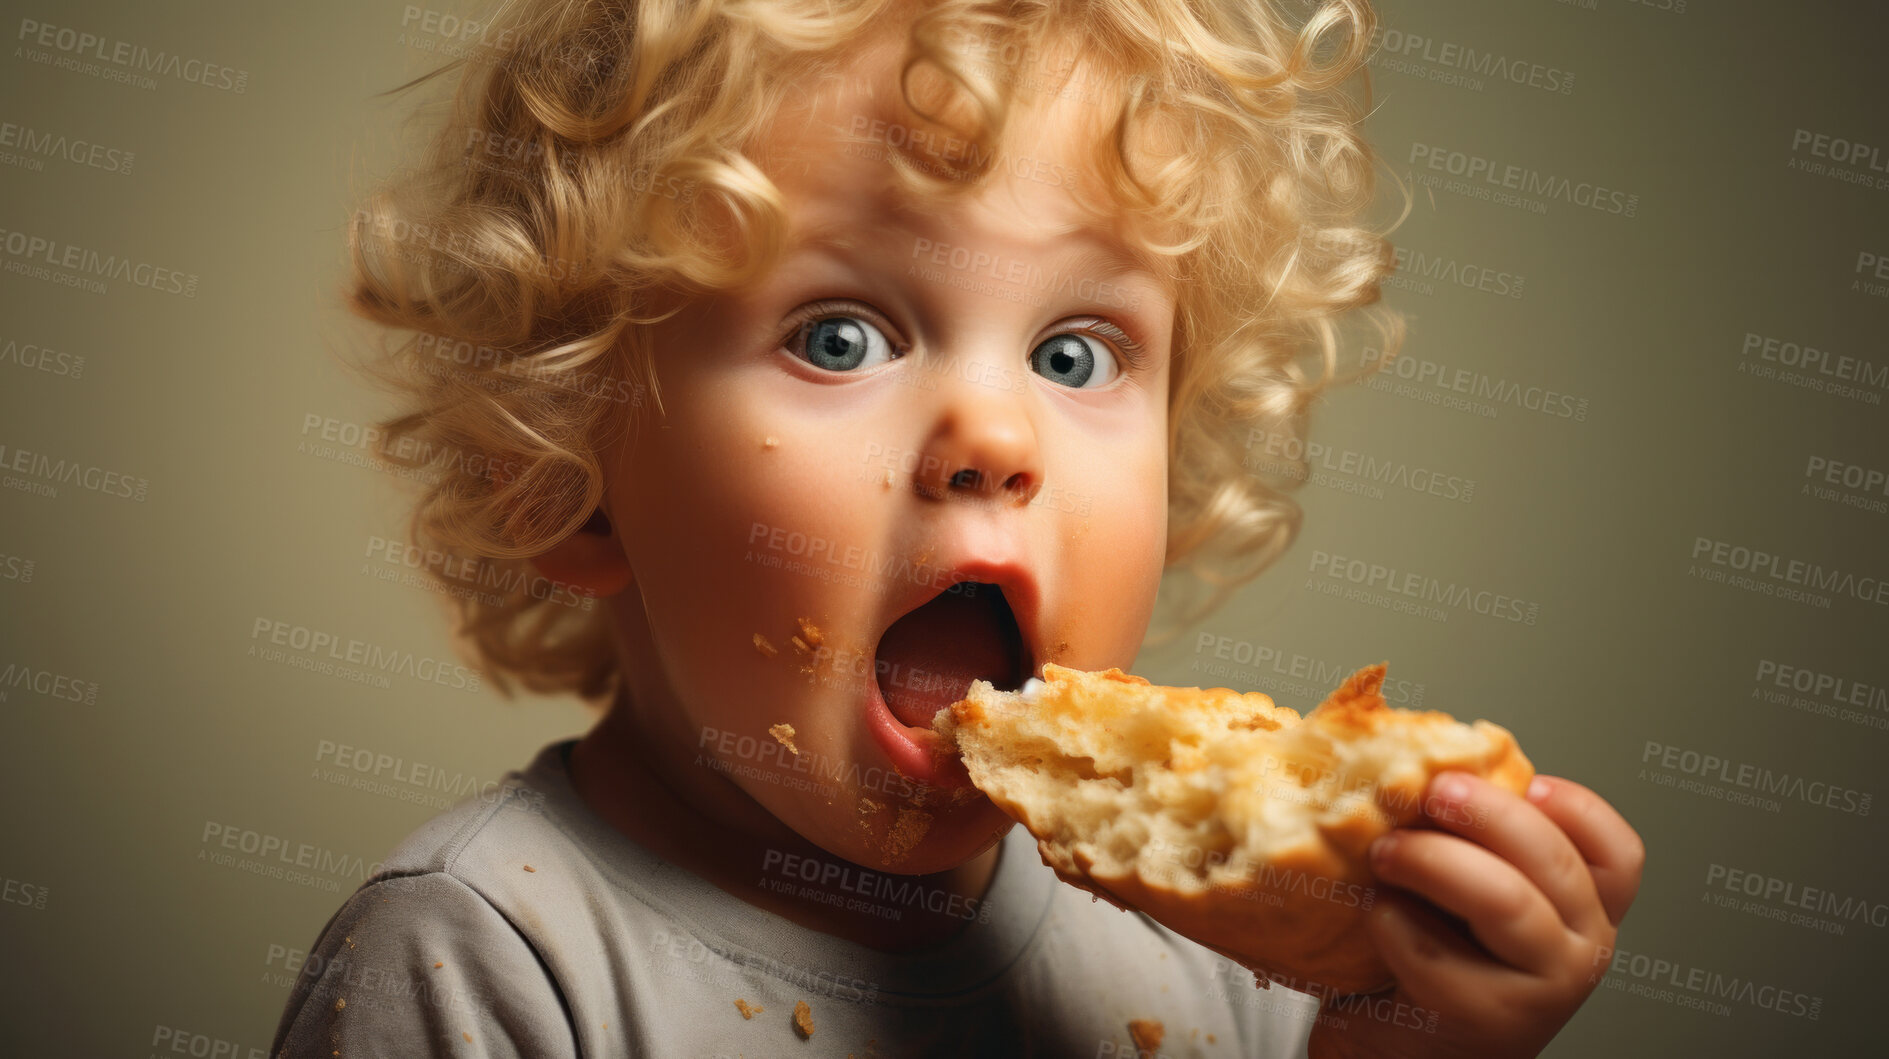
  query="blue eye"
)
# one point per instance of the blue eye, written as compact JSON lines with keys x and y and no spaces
{"x":840,"y":343}
{"x":1073,"y":360}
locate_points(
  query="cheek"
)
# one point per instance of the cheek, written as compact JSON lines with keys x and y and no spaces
{"x":1111,"y":562}
{"x":731,"y":537}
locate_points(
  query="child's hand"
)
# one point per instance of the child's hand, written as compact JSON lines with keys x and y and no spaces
{"x":1539,"y":886}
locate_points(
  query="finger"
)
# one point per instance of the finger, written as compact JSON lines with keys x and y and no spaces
{"x":1501,"y":907}
{"x":1435,"y":966}
{"x":1610,"y":845}
{"x":1522,"y":835}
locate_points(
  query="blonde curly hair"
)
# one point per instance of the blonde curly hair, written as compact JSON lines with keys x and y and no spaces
{"x":591,"y":166}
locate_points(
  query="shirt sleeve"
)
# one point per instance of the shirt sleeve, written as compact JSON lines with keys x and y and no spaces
{"x":422,"y":965}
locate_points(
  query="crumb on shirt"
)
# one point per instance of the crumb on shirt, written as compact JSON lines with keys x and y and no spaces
{"x":761,"y":645}
{"x":466,"y":1035}
{"x":770,"y":442}
{"x":437,"y":964}
{"x":747,"y":1010}
{"x":529,"y":868}
{"x":803,"y":1019}
{"x":350,"y":940}
{"x":1147,"y":1034}
{"x":783,"y":734}
{"x":1210,"y":1038}
{"x":800,"y":645}
{"x":340,"y":1002}
{"x":906,"y":832}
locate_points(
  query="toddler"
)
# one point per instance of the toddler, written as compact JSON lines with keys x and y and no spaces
{"x":792,"y":364}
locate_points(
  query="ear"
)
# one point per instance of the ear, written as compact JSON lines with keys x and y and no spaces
{"x":590,"y":560}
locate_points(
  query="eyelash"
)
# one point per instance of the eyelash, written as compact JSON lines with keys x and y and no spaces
{"x":1120,"y":339}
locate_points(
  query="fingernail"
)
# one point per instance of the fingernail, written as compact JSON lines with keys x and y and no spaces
{"x":1537,"y":789}
{"x":1381,"y":849}
{"x":1452,"y":787}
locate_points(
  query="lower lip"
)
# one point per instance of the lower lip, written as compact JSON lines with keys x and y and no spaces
{"x":915,"y":752}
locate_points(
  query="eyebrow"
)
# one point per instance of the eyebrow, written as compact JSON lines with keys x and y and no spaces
{"x":1105,"y":257}
{"x":1111,"y":258}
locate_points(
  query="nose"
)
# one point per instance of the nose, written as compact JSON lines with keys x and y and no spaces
{"x":982,"y":446}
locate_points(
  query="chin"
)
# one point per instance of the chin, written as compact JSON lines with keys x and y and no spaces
{"x":927,"y":842}
{"x":952,"y":840}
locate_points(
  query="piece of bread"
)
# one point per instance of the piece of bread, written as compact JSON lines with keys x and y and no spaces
{"x":1228,"y":819}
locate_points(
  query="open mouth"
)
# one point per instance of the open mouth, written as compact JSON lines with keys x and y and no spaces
{"x":928,"y":658}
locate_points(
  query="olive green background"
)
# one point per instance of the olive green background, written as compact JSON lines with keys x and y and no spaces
{"x":152,"y":604}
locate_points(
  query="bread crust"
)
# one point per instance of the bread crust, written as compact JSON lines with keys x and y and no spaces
{"x":1104,"y":768}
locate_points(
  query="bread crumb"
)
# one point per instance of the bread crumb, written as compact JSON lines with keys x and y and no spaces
{"x":340,"y":1002}
{"x":466,"y":1035}
{"x":350,"y":940}
{"x":803,"y":1019}
{"x":747,"y":1010}
{"x":810,"y":631}
{"x":437,"y":964}
{"x":867,"y":810}
{"x":1210,"y":1038}
{"x":888,"y":477}
{"x":783,"y":734}
{"x":906,"y":832}
{"x":1147,"y":1034}
{"x":761,"y":645}
{"x":770,"y":442}
{"x":800,"y":645}
{"x":529,"y":868}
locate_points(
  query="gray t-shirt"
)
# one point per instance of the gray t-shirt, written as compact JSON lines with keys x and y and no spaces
{"x":524,"y":925}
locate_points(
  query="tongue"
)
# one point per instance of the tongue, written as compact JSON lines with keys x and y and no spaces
{"x":928,"y":658}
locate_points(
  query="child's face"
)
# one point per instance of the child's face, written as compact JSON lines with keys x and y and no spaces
{"x":808,"y":473}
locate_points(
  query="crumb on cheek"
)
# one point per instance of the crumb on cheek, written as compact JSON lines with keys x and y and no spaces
{"x":783,"y":734}
{"x":810,"y":632}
